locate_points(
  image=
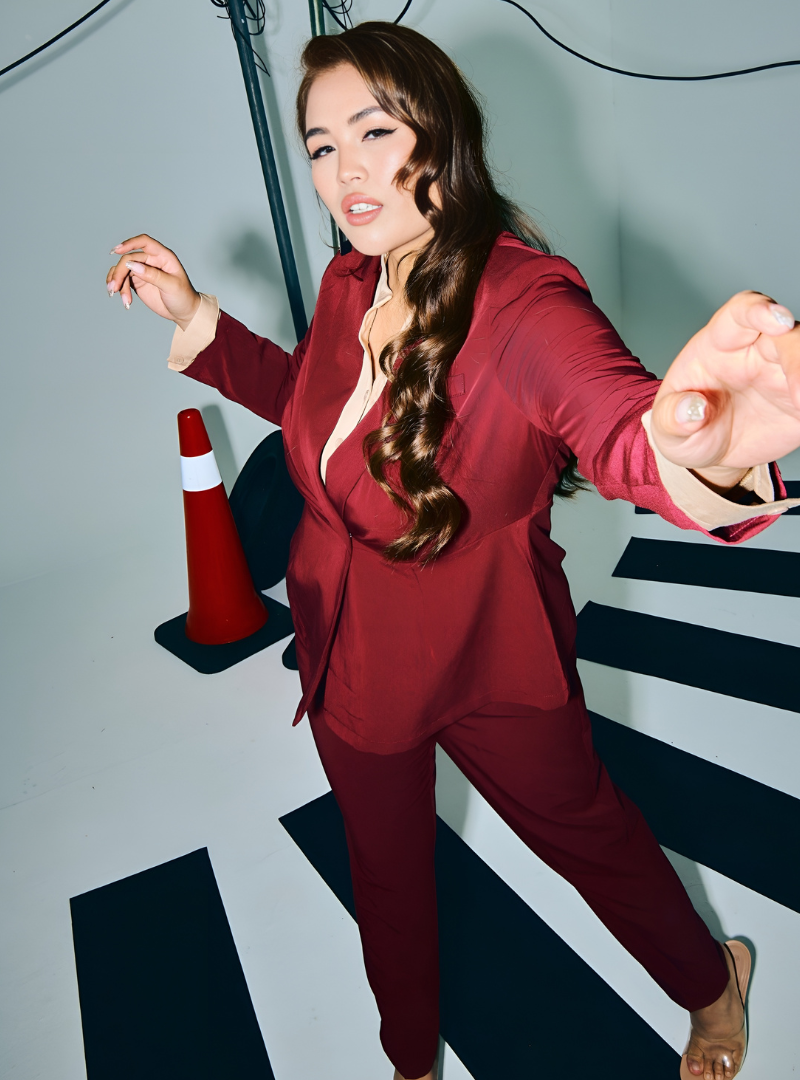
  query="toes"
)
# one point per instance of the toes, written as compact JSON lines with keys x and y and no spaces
{"x":695,"y":1065}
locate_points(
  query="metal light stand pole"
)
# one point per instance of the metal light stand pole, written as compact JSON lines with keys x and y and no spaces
{"x":317,"y":13}
{"x":265,"y":153}
{"x":241,"y":32}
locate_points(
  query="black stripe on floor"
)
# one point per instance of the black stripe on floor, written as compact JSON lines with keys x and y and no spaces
{"x":162,"y":991}
{"x":735,"y":825}
{"x":731,"y":664}
{"x":742,"y":569}
{"x":516,"y":1000}
{"x":792,"y":492}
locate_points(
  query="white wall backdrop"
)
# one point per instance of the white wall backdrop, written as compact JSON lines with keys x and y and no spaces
{"x":669,"y":197}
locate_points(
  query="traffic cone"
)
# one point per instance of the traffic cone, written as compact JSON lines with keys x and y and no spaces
{"x":223,"y":603}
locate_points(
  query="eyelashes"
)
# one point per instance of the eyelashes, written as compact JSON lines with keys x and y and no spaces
{"x":372,"y":135}
{"x":379,"y":132}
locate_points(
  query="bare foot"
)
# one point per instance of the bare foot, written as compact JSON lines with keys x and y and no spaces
{"x":717,"y":1041}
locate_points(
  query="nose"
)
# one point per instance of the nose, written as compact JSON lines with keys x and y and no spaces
{"x":351,"y":166}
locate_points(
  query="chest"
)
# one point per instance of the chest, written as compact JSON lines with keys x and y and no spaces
{"x":384,"y":325}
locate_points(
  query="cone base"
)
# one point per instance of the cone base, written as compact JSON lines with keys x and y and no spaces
{"x":210,"y":659}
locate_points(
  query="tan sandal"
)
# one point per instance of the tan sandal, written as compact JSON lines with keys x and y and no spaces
{"x":742,"y":965}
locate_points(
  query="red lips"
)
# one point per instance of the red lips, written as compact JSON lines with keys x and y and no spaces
{"x":362,"y":217}
{"x":357,"y":197}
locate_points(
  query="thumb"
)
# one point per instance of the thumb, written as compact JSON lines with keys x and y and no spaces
{"x":681,"y":414}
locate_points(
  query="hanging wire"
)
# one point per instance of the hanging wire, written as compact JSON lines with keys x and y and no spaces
{"x":53,"y":40}
{"x":257,"y":15}
{"x":340,"y":12}
{"x":341,"y":8}
{"x":641,"y":74}
{"x":402,"y":13}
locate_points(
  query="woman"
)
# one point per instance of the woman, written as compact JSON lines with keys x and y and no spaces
{"x":451,"y":370}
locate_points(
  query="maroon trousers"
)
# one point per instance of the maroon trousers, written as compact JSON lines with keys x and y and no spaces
{"x":539,"y":771}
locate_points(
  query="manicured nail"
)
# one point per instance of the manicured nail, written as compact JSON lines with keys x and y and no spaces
{"x":115,"y":250}
{"x":111,"y":288}
{"x":781,"y":315}
{"x":126,"y":302}
{"x":138,"y":268}
{"x":690,"y":409}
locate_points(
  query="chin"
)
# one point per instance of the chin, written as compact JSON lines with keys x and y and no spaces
{"x":364,"y":246}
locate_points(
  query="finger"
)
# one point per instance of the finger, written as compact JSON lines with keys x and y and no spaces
{"x":142,"y":273}
{"x":142,"y":242}
{"x":151,"y":251}
{"x":788,"y":356}
{"x":738,"y":323}
{"x":116,"y":278}
{"x":118,"y":281}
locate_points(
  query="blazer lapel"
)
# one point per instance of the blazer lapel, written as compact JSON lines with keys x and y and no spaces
{"x":330,"y":377}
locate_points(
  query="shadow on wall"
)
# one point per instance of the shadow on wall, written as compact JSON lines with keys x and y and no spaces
{"x":656,"y":305}
{"x":536,"y":148}
{"x":661,"y":306}
{"x":221,"y":443}
{"x":255,"y":258}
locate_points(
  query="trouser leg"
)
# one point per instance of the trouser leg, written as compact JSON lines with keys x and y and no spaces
{"x":387,"y":802}
{"x":541,"y":774}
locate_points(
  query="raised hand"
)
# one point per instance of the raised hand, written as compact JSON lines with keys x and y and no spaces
{"x":731,"y":398}
{"x":157,"y":277}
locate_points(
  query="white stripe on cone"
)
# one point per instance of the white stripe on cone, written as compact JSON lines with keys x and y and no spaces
{"x":200,"y":473}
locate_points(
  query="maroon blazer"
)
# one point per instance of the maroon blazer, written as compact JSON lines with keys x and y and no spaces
{"x":405,"y":650}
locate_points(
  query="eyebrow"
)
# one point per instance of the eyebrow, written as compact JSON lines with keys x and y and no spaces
{"x":353,"y":120}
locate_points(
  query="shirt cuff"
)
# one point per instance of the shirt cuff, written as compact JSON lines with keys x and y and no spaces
{"x":198,"y":335}
{"x":707,"y":509}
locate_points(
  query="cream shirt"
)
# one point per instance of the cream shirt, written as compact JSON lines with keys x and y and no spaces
{"x":698,"y":502}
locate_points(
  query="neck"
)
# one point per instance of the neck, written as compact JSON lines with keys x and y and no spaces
{"x":400,"y":260}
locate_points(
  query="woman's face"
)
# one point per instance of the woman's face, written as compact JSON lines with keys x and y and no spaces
{"x":356,"y":151}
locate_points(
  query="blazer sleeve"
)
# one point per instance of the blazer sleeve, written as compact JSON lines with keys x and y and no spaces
{"x":248,"y":369}
{"x":566,"y":368}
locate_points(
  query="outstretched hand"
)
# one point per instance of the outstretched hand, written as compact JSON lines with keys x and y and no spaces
{"x":731,"y":398}
{"x":157,"y":277}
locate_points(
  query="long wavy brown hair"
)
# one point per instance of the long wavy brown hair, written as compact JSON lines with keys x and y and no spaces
{"x":415,"y":82}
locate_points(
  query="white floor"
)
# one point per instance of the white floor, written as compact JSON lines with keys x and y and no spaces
{"x":117,"y":757}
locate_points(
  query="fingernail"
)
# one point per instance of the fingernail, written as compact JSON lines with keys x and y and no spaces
{"x":690,"y":409}
{"x":138,"y":268}
{"x":781,"y":315}
{"x":126,"y":302}
{"x":111,"y":288}
{"x":114,"y":250}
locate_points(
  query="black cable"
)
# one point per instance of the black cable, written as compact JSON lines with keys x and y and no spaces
{"x":640,"y":74}
{"x":53,"y":40}
{"x":402,"y":13}
{"x":341,"y":8}
{"x":258,"y":16}
{"x":344,"y":7}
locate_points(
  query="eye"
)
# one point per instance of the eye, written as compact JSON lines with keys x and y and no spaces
{"x":321,"y":151}
{"x":378,"y":133}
